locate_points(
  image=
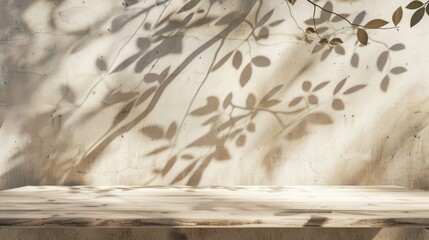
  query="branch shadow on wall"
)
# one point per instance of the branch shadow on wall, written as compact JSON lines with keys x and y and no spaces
{"x":229,"y":120}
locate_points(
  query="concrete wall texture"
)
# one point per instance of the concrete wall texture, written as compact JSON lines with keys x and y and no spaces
{"x":212,"y":92}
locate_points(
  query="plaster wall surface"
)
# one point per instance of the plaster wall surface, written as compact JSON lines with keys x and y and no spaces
{"x":211,"y":93}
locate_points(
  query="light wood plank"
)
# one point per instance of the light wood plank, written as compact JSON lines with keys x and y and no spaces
{"x":208,"y":207}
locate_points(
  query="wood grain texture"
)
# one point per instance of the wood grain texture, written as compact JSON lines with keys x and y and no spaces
{"x":208,"y":207}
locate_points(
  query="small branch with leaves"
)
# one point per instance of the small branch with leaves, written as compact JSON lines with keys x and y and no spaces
{"x":361,"y":30}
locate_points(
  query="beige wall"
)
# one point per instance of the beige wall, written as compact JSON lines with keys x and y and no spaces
{"x":93,"y":92}
{"x":60,"y":97}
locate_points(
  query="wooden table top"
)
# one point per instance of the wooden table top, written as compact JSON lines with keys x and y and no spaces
{"x":203,"y":207}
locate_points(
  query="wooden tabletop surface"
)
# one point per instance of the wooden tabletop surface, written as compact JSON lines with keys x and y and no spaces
{"x":202,"y":207}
